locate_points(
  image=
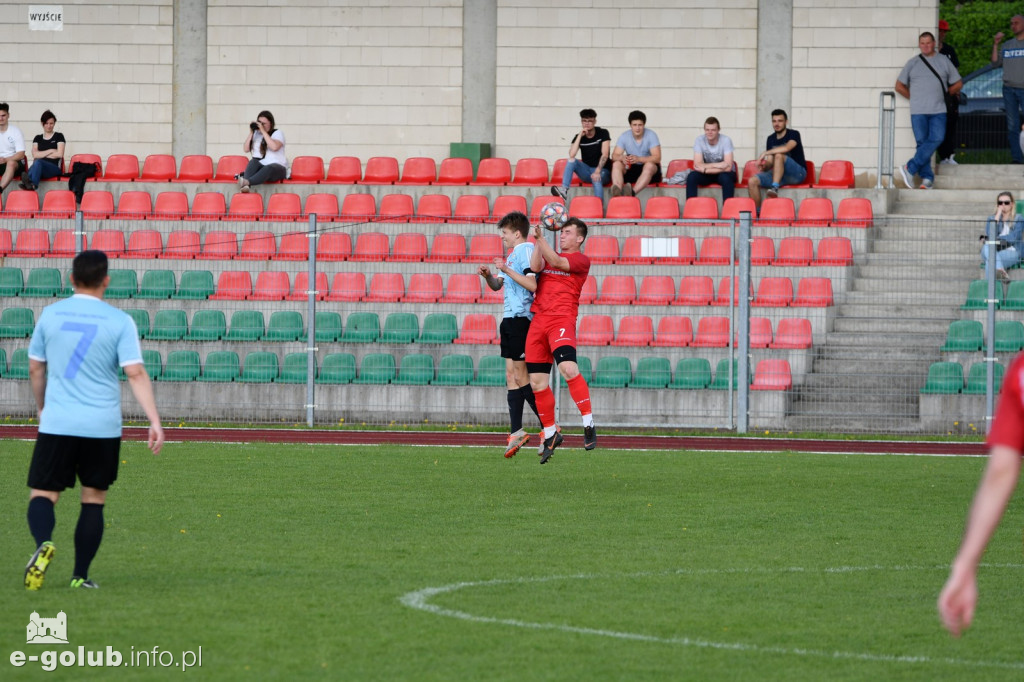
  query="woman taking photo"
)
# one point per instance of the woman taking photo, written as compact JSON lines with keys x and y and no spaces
{"x":266,"y":144}
{"x":47,"y":154}
{"x":1007,"y":227}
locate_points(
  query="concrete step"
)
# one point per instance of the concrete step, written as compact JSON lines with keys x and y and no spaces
{"x":870,"y":340}
{"x":888,"y":326}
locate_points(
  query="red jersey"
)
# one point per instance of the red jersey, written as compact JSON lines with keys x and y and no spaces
{"x":1008,"y":427}
{"x":558,"y":291}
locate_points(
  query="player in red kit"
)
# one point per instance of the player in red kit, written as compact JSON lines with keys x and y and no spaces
{"x":552,"y":336}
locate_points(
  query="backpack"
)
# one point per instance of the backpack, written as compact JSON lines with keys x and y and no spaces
{"x":80,"y":172}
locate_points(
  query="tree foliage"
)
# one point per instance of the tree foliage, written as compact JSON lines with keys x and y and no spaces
{"x":972,"y":24}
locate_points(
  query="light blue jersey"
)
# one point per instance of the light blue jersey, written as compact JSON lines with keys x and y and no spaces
{"x":83,"y":341}
{"x":518,"y":299}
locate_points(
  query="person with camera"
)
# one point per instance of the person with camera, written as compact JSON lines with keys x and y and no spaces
{"x":266,"y":144}
{"x":1008,"y":228}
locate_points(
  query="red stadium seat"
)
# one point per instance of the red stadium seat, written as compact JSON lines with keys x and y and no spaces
{"x":601,"y":249}
{"x":344,"y":170}
{"x":762,"y":251}
{"x":424,"y":287}
{"x":207,"y":206}
{"x":634,"y":330}
{"x":157,"y":168}
{"x":506,"y":204}
{"x":490,"y":296}
{"x":774,"y":292}
{"x":632,"y":251}
{"x":333,"y":246}
{"x":700,"y":208}
{"x":65,"y":244}
{"x":381,"y":170}
{"x":228,"y":166}
{"x":760,"y":333}
{"x":494,"y":171}
{"x":462,"y":288}
{"x":814,"y":212}
{"x":233,"y":285}
{"x":662,"y":208}
{"x":182,"y":244}
{"x":283,"y":207}
{"x":617,"y":290}
{"x":793,"y":333}
{"x":447,"y":247}
{"x":854,"y":212}
{"x":834,"y":251}
{"x":301,"y":290}
{"x":434,"y":208}
{"x":685,"y":252}
{"x":695,"y":290}
{"x":715,"y":251}
{"x":258,"y":245}
{"x":530,"y":172}
{"x":57,"y":203}
{"x":409,"y":247}
{"x":558,"y":172}
{"x":676,"y":166}
{"x":325,"y":206}
{"x":145,"y":244}
{"x":418,"y":170}
{"x":750,"y":169}
{"x":731,"y":208}
{"x":306,"y":169}
{"x":358,"y":207}
{"x":371,"y":246}
{"x":795,"y":251}
{"x":396,"y":208}
{"x":673,"y":331}
{"x":472,"y":208}
{"x":6,"y":242}
{"x":623,"y":208}
{"x":538,"y":204}
{"x":777,"y":212}
{"x":386,"y":287}
{"x":836,"y":174}
{"x":271,"y":286}
{"x":484,"y":248}
{"x":347,"y":287}
{"x":96,"y":204}
{"x":656,"y":290}
{"x":88,"y":158}
{"x":478,"y":328}
{"x":195,"y":168}
{"x":809,"y":180}
{"x":295,"y":246}
{"x":772,"y":374}
{"x":712,"y":332}
{"x":131,"y":205}
{"x":110,"y":242}
{"x":247,"y":207}
{"x":124,"y":167}
{"x":815,"y":292}
{"x":595,"y":330}
{"x":586,"y":207}
{"x":589,"y":292}
{"x":170,"y":206}
{"x":219,"y":245}
{"x":725,"y":291}
{"x":455,"y":172}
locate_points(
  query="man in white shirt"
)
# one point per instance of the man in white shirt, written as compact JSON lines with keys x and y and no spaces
{"x":12,"y":149}
{"x":712,"y":161}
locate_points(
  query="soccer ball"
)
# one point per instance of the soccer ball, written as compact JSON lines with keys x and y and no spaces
{"x":553,"y":216}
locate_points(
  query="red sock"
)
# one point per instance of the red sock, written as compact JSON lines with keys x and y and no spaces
{"x":545,"y":406}
{"x":580,"y":393}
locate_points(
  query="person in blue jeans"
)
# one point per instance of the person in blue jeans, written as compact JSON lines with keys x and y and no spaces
{"x":47,"y":153}
{"x":782,"y":162}
{"x":925,"y":80}
{"x":593,"y":144}
{"x":1011,"y":57}
{"x":1008,"y":228}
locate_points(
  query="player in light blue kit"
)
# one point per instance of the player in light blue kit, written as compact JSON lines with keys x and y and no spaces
{"x":76,"y":348}
{"x":519,"y":282}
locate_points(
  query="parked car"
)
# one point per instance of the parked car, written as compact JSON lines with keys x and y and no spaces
{"x":983,"y":118}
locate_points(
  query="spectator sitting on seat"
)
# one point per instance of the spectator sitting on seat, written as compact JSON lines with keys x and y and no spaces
{"x":782,"y":162}
{"x":636,"y":160}
{"x":1007,"y":227}
{"x":266,"y":143}
{"x":47,"y":154}
{"x":12,"y":149}
{"x":712,"y":161}
{"x":592,"y":144}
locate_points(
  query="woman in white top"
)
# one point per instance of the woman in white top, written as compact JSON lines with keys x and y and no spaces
{"x":1008,"y":227}
{"x":266,"y":143}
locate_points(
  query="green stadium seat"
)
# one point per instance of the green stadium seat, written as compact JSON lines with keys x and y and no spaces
{"x":361,"y":328}
{"x":652,"y":373}
{"x":400,"y":328}
{"x":157,"y":284}
{"x":439,"y":328}
{"x":328,"y":326}
{"x":19,"y":364}
{"x":721,"y":382}
{"x":376,"y":368}
{"x":293,"y":371}
{"x":168,"y":325}
{"x":182,"y":365}
{"x":692,"y":373}
{"x":337,"y":368}
{"x":260,"y":367}
{"x":42,"y":282}
{"x":16,"y":323}
{"x":454,"y":370}
{"x":977,"y":295}
{"x":246,"y":325}
{"x":195,"y":285}
{"x":284,"y":325}
{"x":141,"y":319}
{"x":12,"y":282}
{"x":151,"y":360}
{"x":123,"y":284}
{"x":612,"y":372}
{"x":3,"y":363}
{"x":944,"y":377}
{"x":585,"y":367}
{"x":964,"y":335}
{"x":977,"y":378}
{"x":490,"y":371}
{"x":1014,"y":296}
{"x":415,"y":369}
{"x":207,"y":325}
{"x":221,"y":366}
{"x":1009,"y":336}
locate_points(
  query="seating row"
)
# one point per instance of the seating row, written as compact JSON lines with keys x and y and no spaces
{"x":418,"y":369}
{"x":948,"y":377}
{"x":287,"y":207}
{"x":384,"y":170}
{"x":977,"y":296}
{"x":969,"y":335}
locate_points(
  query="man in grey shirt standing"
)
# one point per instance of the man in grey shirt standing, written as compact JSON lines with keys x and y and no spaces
{"x":1011,"y":58}
{"x":925,"y":80}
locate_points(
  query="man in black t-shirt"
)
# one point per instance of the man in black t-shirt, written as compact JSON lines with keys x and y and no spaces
{"x":947,"y":150}
{"x":782,"y":162}
{"x":594,"y":147}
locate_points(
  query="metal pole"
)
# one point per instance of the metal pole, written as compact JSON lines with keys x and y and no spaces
{"x":743,"y":331}
{"x":311,"y":327}
{"x":886,"y":137}
{"x":990,"y":327}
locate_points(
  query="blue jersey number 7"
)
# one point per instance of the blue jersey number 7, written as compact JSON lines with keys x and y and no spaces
{"x":88,"y":332}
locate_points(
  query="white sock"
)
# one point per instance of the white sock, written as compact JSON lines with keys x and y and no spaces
{"x":588,"y":419}
{"x":549,"y":431}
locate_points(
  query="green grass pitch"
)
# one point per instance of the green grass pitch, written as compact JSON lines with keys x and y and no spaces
{"x":288,"y":562}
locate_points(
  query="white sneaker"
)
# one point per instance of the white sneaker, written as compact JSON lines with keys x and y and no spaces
{"x":926,"y":183}
{"x":906,"y":176}
{"x":949,"y":162}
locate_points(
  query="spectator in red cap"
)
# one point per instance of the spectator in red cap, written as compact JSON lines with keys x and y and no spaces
{"x":947,"y":150}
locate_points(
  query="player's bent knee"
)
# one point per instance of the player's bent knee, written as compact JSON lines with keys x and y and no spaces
{"x":569,"y":370}
{"x":51,"y":495}
{"x":93,"y":495}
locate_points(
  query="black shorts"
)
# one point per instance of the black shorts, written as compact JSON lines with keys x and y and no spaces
{"x":513,"y":333}
{"x":57,"y":460}
{"x":633,"y":174}
{"x":20,"y":170}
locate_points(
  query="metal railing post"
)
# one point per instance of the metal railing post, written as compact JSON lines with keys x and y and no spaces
{"x":886,"y":137}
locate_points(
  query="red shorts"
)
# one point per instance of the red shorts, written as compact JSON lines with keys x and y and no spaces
{"x":547,"y":334}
